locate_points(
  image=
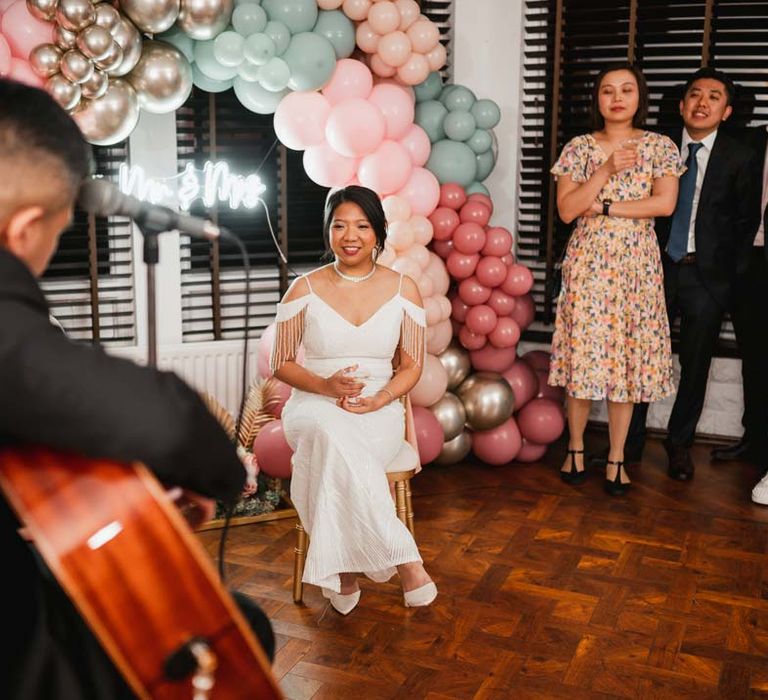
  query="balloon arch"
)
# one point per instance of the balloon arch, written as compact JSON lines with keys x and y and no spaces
{"x":354,"y":84}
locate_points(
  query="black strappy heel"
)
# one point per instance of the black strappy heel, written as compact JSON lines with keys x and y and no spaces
{"x":572,"y":476}
{"x":614,"y":487}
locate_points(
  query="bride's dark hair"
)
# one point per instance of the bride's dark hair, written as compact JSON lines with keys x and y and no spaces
{"x":368,"y":201}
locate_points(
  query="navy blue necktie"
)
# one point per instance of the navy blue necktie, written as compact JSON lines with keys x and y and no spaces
{"x":677,"y":246}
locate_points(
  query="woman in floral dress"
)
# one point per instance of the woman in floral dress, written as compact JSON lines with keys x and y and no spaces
{"x":611,"y":337}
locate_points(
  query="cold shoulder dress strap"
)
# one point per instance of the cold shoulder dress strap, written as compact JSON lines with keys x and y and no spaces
{"x":289,"y":332}
{"x":413,"y":331}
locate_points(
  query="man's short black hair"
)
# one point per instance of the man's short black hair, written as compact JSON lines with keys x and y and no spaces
{"x":714,"y":74}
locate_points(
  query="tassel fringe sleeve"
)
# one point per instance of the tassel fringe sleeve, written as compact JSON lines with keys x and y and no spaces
{"x":413,"y":333}
{"x":289,"y":332}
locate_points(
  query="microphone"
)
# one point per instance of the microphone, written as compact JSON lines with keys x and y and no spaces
{"x":103,"y":198}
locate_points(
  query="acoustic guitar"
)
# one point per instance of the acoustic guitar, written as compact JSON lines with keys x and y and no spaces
{"x":140,"y":579}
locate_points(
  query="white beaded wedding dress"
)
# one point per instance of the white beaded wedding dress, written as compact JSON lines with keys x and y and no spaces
{"x":339,"y":484}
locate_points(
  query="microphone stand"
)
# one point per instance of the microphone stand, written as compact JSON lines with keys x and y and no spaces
{"x":151,"y":250}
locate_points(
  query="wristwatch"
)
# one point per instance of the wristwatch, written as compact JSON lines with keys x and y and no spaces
{"x":606,"y":206}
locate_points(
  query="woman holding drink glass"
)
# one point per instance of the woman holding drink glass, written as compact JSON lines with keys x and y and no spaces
{"x":343,"y":421}
{"x":611,"y":337}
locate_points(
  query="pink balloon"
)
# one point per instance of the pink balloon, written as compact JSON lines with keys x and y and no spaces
{"x":444,"y":222}
{"x":283,"y":392}
{"x":416,"y":142}
{"x":499,"y":445}
{"x":329,"y":4}
{"x":406,"y":266}
{"x":506,"y":334}
{"x":481,"y":197}
{"x":541,"y":421}
{"x":355,"y":127}
{"x":272,"y":452}
{"x":366,"y":38}
{"x":385,"y":170}
{"x":524,"y":311}
{"x":537,"y":359}
{"x":437,"y":271}
{"x":530,"y":452}
{"x":420,"y":255}
{"x":472,"y":292}
{"x":394,"y":49}
{"x":501,"y":303}
{"x":498,"y":242}
{"x":439,"y":337}
{"x":524,"y":382}
{"x":470,"y":340}
{"x":384,"y":17}
{"x":5,"y":56}
{"x":422,"y":229}
{"x":422,"y":191}
{"x":445,"y":307}
{"x":519,"y":280}
{"x":443,"y":248}
{"x":429,"y":434}
{"x":4,"y":5}
{"x":351,"y":79}
{"x":326,"y":167}
{"x":475,"y":212}
{"x":415,"y":70}
{"x":22,"y":72}
{"x":452,"y":195}
{"x":432,"y":309}
{"x":555,"y":393}
{"x":432,"y":384}
{"x":356,"y":10}
{"x":491,"y":359}
{"x":437,"y":57}
{"x":23,"y":31}
{"x":387,"y":257}
{"x":423,"y":35}
{"x":396,"y":105}
{"x":459,"y":309}
{"x":491,"y":271}
{"x":481,"y":319}
{"x":400,"y":236}
{"x":461,"y":266}
{"x":469,"y":238}
{"x":508,"y":259}
{"x":301,"y":117}
{"x":409,"y":12}
{"x":396,"y":209}
{"x":383,"y":70}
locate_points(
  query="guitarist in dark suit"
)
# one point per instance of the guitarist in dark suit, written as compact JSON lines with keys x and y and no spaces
{"x":77,"y":398}
{"x":705,"y":247}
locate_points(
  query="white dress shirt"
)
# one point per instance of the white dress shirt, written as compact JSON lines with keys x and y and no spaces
{"x":760,"y":237}
{"x":702,"y":159}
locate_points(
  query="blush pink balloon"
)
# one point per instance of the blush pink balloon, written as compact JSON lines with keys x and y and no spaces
{"x":491,"y":359}
{"x":5,"y":56}
{"x":423,"y":35}
{"x":444,"y":222}
{"x":407,"y":267}
{"x":530,"y":452}
{"x":426,"y":288}
{"x":472,"y":292}
{"x":415,"y":70}
{"x":272,"y":451}
{"x":524,"y":382}
{"x":396,"y":105}
{"x":379,"y":68}
{"x":400,"y":236}
{"x":501,"y":303}
{"x":22,"y":72}
{"x":366,"y":38}
{"x":459,"y":309}
{"x":387,"y":257}
{"x":519,"y":280}
{"x":470,"y":340}
{"x":437,"y":271}
{"x":475,"y":212}
{"x":409,"y":12}
{"x":350,"y":79}
{"x":422,"y":229}
{"x":355,"y":127}
{"x":394,"y":49}
{"x":445,"y":307}
{"x":429,"y":433}
{"x":419,"y":254}
{"x":356,"y":10}
{"x":461,"y":266}
{"x":327,"y":167}
{"x":432,"y":384}
{"x":555,"y":393}
{"x":481,"y":197}
{"x":300,"y":119}
{"x":416,"y":142}
{"x":443,"y":248}
{"x":508,"y":259}
{"x":329,"y":4}
{"x":491,"y":271}
{"x":469,"y":238}
{"x":396,"y":209}
{"x":433,"y":311}
{"x":439,"y":336}
{"x":524,"y":311}
{"x":386,"y":170}
{"x":437,"y":57}
{"x":499,"y":445}
{"x":422,"y":191}
{"x":283,"y":392}
{"x":506,"y":334}
{"x":498,"y":242}
{"x":452,"y":195}
{"x":541,"y":421}
{"x":537,"y":359}
{"x":384,"y":17}
{"x":481,"y":319}
{"x":23,"y":31}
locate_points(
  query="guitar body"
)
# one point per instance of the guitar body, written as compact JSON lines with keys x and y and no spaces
{"x":135,"y":571}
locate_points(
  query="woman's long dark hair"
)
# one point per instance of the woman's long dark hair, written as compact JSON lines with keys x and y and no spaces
{"x":368,"y":201}
{"x":638,"y":119}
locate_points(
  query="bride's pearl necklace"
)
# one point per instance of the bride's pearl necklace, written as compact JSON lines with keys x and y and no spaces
{"x":352,"y":278}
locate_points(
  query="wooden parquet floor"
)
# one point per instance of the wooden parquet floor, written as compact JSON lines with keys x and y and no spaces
{"x":546,"y":591}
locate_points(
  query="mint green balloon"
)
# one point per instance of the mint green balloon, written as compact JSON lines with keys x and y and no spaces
{"x":274,"y":75}
{"x":430,"y":116}
{"x":459,"y":126}
{"x":298,"y":15}
{"x":205,"y":59}
{"x":247,"y":2}
{"x":228,"y":49}
{"x":335,"y":26}
{"x":254,"y":97}
{"x":183,"y":42}
{"x":477,"y":187}
{"x":485,"y":163}
{"x":457,"y":97}
{"x":430,"y":89}
{"x":480,"y":141}
{"x":249,"y":18}
{"x":202,"y":81}
{"x":258,"y":49}
{"x":486,"y":113}
{"x":451,"y":161}
{"x":249,"y":72}
{"x":280,"y":34}
{"x":311,"y":59}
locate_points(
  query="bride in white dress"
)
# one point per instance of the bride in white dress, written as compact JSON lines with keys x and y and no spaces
{"x":343,"y":421}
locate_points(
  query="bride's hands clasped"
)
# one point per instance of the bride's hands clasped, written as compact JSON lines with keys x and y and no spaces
{"x":368,"y":404}
{"x":344,"y":383}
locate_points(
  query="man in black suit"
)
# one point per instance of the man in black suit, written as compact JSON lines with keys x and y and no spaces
{"x":76,"y":398}
{"x":705,"y":246}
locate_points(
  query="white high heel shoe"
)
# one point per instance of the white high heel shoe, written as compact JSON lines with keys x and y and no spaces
{"x":341,"y":603}
{"x":420,"y":597}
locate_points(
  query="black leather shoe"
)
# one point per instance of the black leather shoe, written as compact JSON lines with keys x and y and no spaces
{"x":744,"y":449}
{"x":615,"y":487}
{"x":572,"y":476}
{"x":680,"y":463}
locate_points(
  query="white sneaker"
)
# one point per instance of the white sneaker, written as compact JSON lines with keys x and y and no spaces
{"x":760,"y":492}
